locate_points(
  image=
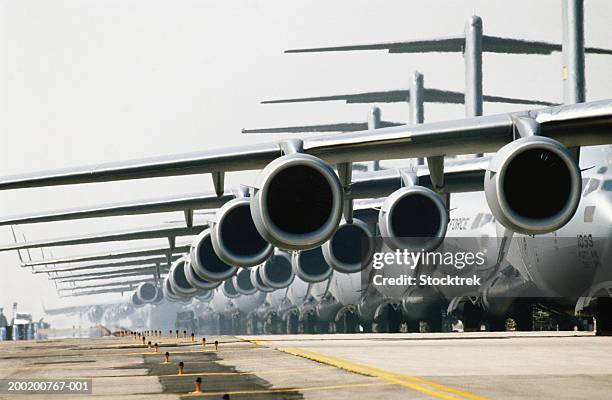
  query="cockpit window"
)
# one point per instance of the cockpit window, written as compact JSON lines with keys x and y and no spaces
{"x":607,"y":185}
{"x":592,"y":186}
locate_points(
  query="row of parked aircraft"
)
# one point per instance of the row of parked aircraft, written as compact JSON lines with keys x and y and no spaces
{"x":298,"y":246}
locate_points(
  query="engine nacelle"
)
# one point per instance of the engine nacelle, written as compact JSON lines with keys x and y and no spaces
{"x":277,"y":272}
{"x":235,"y":238}
{"x":413,"y":218}
{"x":206,"y":264}
{"x":229,"y":290}
{"x":351,"y":248}
{"x":310,"y":265}
{"x":299,"y":202}
{"x":533,"y":185}
{"x":159,"y":298}
{"x":205,"y":296}
{"x":197,"y":282}
{"x":242,"y":282}
{"x":178,"y":280}
{"x":169,"y":292}
{"x":136,"y":302}
{"x":146,"y":292}
{"x":258,"y":282}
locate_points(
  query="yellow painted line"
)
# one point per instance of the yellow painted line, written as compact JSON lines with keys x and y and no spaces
{"x":465,"y":394}
{"x":289,"y":390}
{"x":411,"y":382}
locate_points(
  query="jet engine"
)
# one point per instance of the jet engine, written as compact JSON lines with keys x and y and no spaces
{"x":197,"y":282}
{"x":178,"y":280}
{"x":310,"y":265}
{"x":206,"y":264}
{"x":351,"y":248}
{"x":299,"y":202}
{"x":242,"y":282}
{"x":235,"y":238}
{"x":277,"y":272}
{"x":205,"y":296}
{"x":159,"y":298}
{"x":136,"y":302}
{"x":229,"y":290}
{"x":533,"y":185}
{"x":258,"y":282}
{"x":413,"y":218}
{"x":146,"y":292}
{"x":169,"y":292}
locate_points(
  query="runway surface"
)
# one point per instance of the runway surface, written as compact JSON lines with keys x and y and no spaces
{"x":474,"y":366}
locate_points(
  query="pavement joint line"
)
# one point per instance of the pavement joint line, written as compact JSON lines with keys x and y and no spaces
{"x":408,"y":381}
{"x":290,"y":390}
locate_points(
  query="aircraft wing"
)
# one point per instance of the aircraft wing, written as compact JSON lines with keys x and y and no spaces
{"x":118,"y":289}
{"x":492,"y":44}
{"x":101,"y":276}
{"x":114,"y":254}
{"x":339,"y":127}
{"x":71,"y":309}
{"x":101,"y":285}
{"x":93,"y":266}
{"x":187,"y":202}
{"x":402,"y":95}
{"x":460,"y":176}
{"x":117,"y":236}
{"x":573,"y":125}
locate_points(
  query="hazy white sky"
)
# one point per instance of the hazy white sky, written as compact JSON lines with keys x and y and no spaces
{"x":86,"y":81}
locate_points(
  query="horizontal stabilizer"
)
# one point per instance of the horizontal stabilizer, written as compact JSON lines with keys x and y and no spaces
{"x":441,"y":45}
{"x":490,"y":44}
{"x":339,"y":127}
{"x":402,"y":95}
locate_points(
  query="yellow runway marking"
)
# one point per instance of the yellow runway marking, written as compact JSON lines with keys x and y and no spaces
{"x":412,"y":382}
{"x":289,"y":390}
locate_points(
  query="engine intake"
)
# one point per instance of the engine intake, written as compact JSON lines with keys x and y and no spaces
{"x":235,"y":238}
{"x":413,"y":218}
{"x":206,"y":264}
{"x":258,"y":282}
{"x":242,"y":282}
{"x":310,"y":265}
{"x":136,"y":302}
{"x":299,"y":202}
{"x":351,"y":248}
{"x":277,"y":272}
{"x":178,"y":280}
{"x":146,"y":292}
{"x":229,"y":290}
{"x":532,"y":185}
{"x":205,"y":296}
{"x":197,"y":282}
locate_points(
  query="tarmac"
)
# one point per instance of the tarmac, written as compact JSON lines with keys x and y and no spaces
{"x":475,"y":366}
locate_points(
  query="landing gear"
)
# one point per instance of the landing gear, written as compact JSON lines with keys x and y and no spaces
{"x":472,"y":317}
{"x":603,"y":316}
